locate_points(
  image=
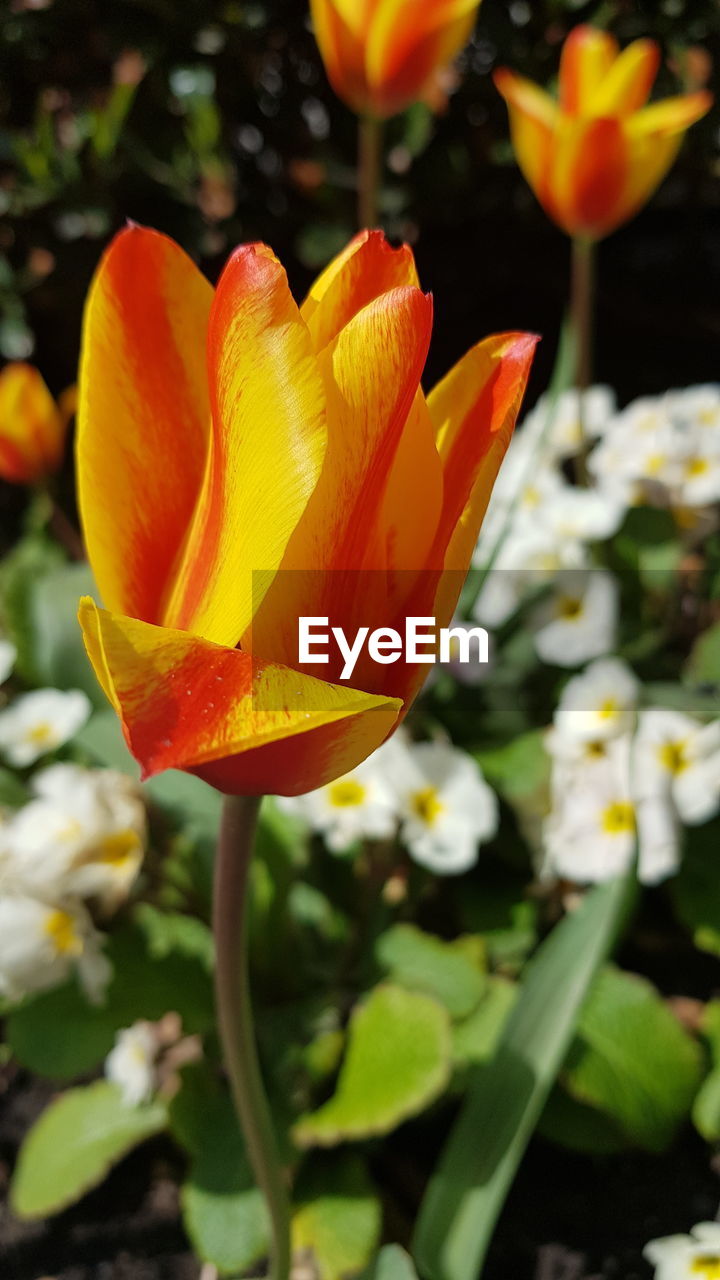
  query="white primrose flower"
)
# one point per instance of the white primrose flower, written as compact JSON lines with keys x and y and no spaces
{"x":595,"y":824}
{"x":83,"y":836}
{"x":678,"y":757}
{"x":41,"y":944}
{"x":577,"y":417}
{"x":358,"y":806}
{"x":527,"y":560}
{"x":39,"y":722}
{"x":131,"y":1064}
{"x":584,"y":515}
{"x":447,"y":808}
{"x":599,"y":703}
{"x":579,"y":619}
{"x":8,"y":656}
{"x":693,"y":1257}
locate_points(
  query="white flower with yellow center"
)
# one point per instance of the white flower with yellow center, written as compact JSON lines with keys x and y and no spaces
{"x":579,"y":619}
{"x":693,"y":1257}
{"x":598,"y":704}
{"x":131,"y":1064}
{"x":447,"y":808}
{"x":584,"y":515}
{"x":577,"y":417}
{"x":39,"y":722}
{"x":358,"y":806}
{"x":83,"y":836}
{"x":526,"y":561}
{"x":41,"y":944}
{"x":698,"y":470}
{"x":679,"y":757}
{"x":8,"y":655}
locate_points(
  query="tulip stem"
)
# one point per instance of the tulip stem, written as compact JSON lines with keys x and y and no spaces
{"x":370,"y":151}
{"x":235,"y":1020}
{"x":582,"y":308}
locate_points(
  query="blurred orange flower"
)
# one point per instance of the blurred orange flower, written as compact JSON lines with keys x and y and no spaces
{"x":595,"y":157}
{"x":32,"y":425}
{"x":242,"y":462}
{"x":381,"y":56}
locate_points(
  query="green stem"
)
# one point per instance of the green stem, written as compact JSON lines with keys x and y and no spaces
{"x":370,"y":139}
{"x":581,"y":311}
{"x":235,"y":1021}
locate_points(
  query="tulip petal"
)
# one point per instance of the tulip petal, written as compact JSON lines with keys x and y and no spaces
{"x":246,"y":726}
{"x":408,"y":43}
{"x":143,"y":416}
{"x":671,"y":116}
{"x":533,"y":118}
{"x":474,"y":409}
{"x":627,"y":85}
{"x":372,"y":373}
{"x":32,"y":430}
{"x":590,"y":176}
{"x":269,"y":440}
{"x":339,"y":39}
{"x":367,"y":268}
{"x":587,"y":58}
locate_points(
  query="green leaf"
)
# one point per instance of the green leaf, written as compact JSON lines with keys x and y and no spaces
{"x":632,"y":1059}
{"x":422,"y":962}
{"x":468,"y":1188}
{"x":30,"y":561}
{"x":397,"y":1063}
{"x":77,"y":1139}
{"x":703,"y":665}
{"x":706,"y":1107}
{"x":579,"y":1127}
{"x":223,"y":1211}
{"x":696,"y":888}
{"x":169,"y":932}
{"x":58,"y":654}
{"x":12,"y":792}
{"x":475,"y":1038}
{"x":392,"y":1263}
{"x":338,"y":1217}
{"x":521,"y":769}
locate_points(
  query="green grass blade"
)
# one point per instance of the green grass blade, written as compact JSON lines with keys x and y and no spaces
{"x":469,"y":1186}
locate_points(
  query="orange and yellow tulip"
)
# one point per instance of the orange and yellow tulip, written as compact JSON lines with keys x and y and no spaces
{"x":595,"y":156}
{"x":381,"y":56}
{"x":32,"y":425}
{"x":241,"y":462}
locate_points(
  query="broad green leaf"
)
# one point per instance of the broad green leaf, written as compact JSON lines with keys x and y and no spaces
{"x":426,"y":963}
{"x":468,"y":1188}
{"x":12,"y":792}
{"x":392,"y":1263}
{"x":223,"y":1211}
{"x":397,"y":1063}
{"x":172,"y":932}
{"x":521,"y":769}
{"x":30,"y":561}
{"x":476,"y":1037}
{"x":73,"y":1145}
{"x":706,"y":1107}
{"x":338,"y":1215}
{"x":632,"y":1059}
{"x":58,"y":654}
{"x":703,"y":665}
{"x":581,"y":1128}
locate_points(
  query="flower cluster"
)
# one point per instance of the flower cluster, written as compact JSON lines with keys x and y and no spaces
{"x":659,"y":451}
{"x":624,"y":777}
{"x":434,"y":793}
{"x":67,"y":856}
{"x":684,"y":1257}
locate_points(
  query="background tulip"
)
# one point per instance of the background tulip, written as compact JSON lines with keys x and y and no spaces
{"x":32,"y":425}
{"x":597,"y":154}
{"x":300,"y":470}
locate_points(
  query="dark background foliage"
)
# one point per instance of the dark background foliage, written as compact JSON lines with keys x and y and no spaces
{"x":232,"y":133}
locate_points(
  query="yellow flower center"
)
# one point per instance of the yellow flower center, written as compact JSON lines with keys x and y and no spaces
{"x":708,"y":417}
{"x":569,"y":607}
{"x":608,"y":709}
{"x":41,"y":734}
{"x":426,"y":805}
{"x":347,"y":793}
{"x":708,"y":1265}
{"x":696,"y":467}
{"x":673,"y":756}
{"x":119,"y":848}
{"x":619,"y":818}
{"x":531,"y":496}
{"x":60,"y":929}
{"x":655,"y":463}
{"x":595,"y":750}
